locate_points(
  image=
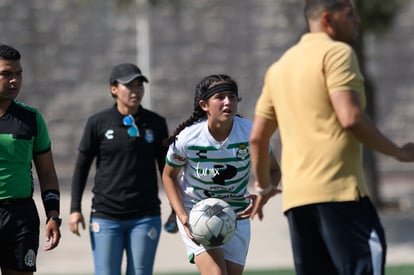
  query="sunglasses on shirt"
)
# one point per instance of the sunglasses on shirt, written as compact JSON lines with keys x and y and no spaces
{"x":132,"y":130}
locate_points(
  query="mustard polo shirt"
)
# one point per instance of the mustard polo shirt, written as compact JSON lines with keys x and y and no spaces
{"x":321,"y":162}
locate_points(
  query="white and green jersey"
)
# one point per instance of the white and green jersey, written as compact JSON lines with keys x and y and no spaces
{"x":211,"y":168}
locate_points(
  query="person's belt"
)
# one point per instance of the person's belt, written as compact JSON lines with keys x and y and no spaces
{"x":9,"y":202}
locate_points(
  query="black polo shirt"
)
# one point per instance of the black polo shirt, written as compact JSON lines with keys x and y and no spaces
{"x":126,"y":181}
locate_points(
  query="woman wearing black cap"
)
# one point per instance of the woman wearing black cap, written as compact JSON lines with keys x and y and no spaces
{"x":127,"y":142}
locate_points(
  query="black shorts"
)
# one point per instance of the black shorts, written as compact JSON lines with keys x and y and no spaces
{"x":337,"y":238}
{"x":19,"y":235}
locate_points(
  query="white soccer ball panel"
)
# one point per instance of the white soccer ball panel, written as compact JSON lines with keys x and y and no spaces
{"x":212,"y":222}
{"x":215,"y":225}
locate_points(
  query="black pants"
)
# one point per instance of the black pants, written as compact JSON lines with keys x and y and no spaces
{"x":344,"y":238}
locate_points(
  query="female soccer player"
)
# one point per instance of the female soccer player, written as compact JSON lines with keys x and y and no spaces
{"x":211,"y":149}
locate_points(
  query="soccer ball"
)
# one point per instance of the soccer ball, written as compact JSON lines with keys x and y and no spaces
{"x":212,"y":222}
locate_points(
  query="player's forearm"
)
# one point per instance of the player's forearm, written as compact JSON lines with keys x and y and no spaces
{"x":172,"y":191}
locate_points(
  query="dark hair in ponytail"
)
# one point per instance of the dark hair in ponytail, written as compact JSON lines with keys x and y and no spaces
{"x":201,"y":90}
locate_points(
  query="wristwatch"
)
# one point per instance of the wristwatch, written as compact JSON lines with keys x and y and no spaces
{"x":56,"y":219}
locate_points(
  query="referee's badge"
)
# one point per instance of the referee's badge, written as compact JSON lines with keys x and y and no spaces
{"x":242,"y":152}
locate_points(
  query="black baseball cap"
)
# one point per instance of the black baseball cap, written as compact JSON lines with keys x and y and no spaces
{"x":125,"y":73}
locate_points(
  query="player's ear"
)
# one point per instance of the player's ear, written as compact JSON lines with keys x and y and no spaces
{"x":114,"y":90}
{"x":203,"y":105}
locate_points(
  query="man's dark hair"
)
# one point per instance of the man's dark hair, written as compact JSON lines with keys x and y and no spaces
{"x":314,"y":8}
{"x":9,"y":53}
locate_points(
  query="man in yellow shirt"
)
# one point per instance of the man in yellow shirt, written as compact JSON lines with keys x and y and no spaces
{"x":314,"y":94}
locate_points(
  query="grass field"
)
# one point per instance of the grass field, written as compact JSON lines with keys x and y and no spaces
{"x":391,"y":270}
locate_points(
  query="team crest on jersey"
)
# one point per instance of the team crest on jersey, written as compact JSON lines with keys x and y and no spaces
{"x":149,"y":135}
{"x":30,"y":258}
{"x":242,"y":152}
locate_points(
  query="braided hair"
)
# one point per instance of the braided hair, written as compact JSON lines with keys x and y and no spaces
{"x":201,"y":90}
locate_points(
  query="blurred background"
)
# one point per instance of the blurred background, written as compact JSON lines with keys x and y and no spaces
{"x":70,"y":46}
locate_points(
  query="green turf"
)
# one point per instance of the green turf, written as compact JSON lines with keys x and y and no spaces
{"x":400,"y":270}
{"x":390,"y":270}
{"x":247,"y":272}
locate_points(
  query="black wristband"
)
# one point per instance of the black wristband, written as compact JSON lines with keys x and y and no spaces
{"x":56,"y":219}
{"x":51,"y":200}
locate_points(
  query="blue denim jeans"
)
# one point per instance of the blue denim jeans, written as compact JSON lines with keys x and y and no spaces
{"x":138,"y":237}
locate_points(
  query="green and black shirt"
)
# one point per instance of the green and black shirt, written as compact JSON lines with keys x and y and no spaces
{"x":23,"y":134}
